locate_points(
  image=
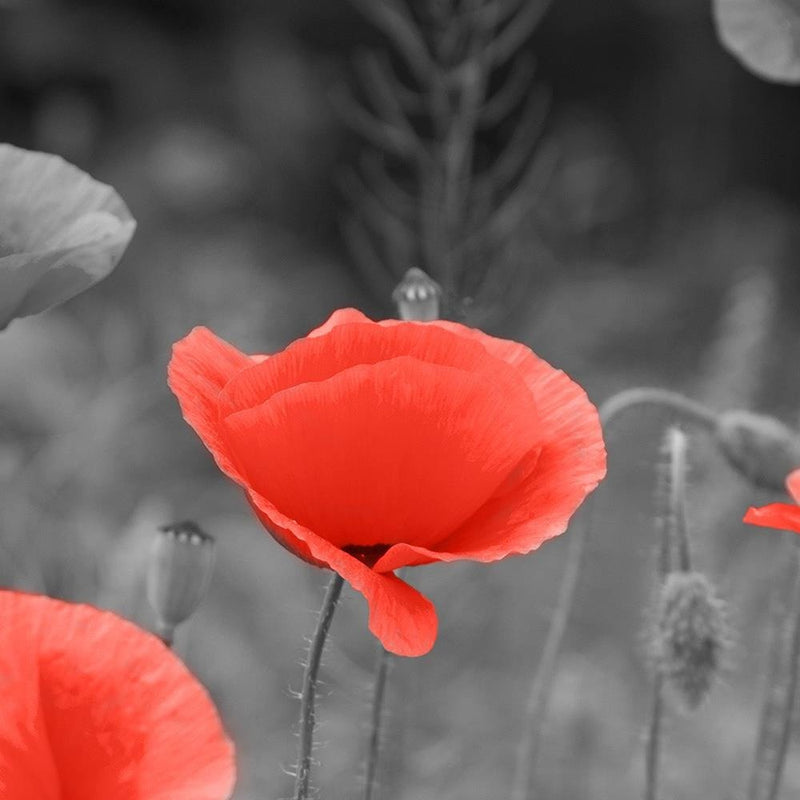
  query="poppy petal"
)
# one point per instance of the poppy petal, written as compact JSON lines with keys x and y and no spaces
{"x":793,"y":485}
{"x":342,"y":316}
{"x":349,"y":344}
{"x":380,"y":461}
{"x":27,"y":768}
{"x":776,"y":515}
{"x":552,"y":481}
{"x":401,"y":618}
{"x":124,"y":717}
{"x":60,"y":231}
{"x":200,"y":366}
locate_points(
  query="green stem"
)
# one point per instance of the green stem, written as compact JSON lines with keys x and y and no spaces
{"x":541,"y":684}
{"x":381,"y":674}
{"x":309,"y":691}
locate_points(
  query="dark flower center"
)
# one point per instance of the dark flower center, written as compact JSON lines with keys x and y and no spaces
{"x":367,"y":554}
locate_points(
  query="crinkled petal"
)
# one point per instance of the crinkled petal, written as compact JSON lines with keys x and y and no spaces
{"x":793,"y":485}
{"x":124,"y":717}
{"x":552,"y":482}
{"x":776,"y":515}
{"x":61,"y":231}
{"x":396,"y":451}
{"x":201,"y":365}
{"x":401,"y":618}
{"x":350,"y":343}
{"x":27,"y":768}
{"x":342,"y":316}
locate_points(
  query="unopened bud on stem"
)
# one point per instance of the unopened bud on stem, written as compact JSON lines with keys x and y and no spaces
{"x":762,"y":448}
{"x":181,"y":563}
{"x":417,"y":297}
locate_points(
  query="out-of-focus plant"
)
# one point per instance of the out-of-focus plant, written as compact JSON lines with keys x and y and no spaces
{"x":767,"y":441}
{"x":181,"y":562}
{"x":431,"y":189}
{"x":60,"y":231}
{"x":776,"y":715}
{"x":688,"y":631}
{"x":763,"y":34}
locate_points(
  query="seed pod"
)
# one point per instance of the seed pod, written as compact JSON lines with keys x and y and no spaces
{"x":691,"y":635}
{"x":417,"y":297}
{"x":181,"y":562}
{"x":762,"y":448}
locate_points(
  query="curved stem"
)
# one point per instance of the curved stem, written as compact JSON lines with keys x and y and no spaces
{"x":309,"y":692}
{"x":536,"y":706}
{"x":381,"y":673}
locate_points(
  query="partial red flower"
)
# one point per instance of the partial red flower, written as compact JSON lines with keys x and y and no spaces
{"x":93,"y":708}
{"x":370,"y":446}
{"x":784,"y":516}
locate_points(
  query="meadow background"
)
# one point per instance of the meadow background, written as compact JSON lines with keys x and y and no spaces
{"x":663,"y":250}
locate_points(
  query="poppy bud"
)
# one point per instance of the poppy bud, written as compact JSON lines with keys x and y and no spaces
{"x":762,"y":448}
{"x":690,"y":635}
{"x":181,"y":562}
{"x":417,"y":297}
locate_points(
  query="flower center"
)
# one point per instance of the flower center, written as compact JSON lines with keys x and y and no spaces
{"x":367,"y":554}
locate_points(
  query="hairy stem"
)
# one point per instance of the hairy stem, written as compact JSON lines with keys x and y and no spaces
{"x":309,"y":692}
{"x":775,"y":726}
{"x":381,"y":674}
{"x":541,"y":684}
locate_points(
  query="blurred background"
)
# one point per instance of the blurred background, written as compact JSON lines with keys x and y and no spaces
{"x":654,"y":241}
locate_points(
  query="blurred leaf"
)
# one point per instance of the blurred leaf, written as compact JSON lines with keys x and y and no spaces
{"x":763,"y":34}
{"x":60,"y":231}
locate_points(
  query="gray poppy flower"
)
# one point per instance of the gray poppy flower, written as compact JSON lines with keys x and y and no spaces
{"x":61,"y":231}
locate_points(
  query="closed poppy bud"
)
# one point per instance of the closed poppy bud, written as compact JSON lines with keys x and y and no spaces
{"x":60,"y":231}
{"x":181,"y":563}
{"x":691,"y":635}
{"x":762,"y":448}
{"x":417,"y":297}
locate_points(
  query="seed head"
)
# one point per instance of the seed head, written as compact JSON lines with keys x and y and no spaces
{"x":417,"y":296}
{"x":181,"y":562}
{"x":691,"y":635}
{"x":762,"y":448}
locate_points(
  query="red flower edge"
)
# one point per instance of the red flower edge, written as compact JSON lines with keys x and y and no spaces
{"x":314,"y":436}
{"x":783,"y":516}
{"x":96,"y":708}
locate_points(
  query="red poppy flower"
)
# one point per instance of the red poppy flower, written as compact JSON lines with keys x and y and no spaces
{"x":93,"y":708}
{"x":783,"y":516}
{"x":370,"y":446}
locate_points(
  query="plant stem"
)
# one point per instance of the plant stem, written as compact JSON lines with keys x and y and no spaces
{"x":541,"y":684}
{"x":653,"y":745}
{"x":381,"y":674}
{"x":309,"y":692}
{"x":776,"y":715}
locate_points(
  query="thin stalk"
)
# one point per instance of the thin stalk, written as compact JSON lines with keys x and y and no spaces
{"x":309,"y":691}
{"x":653,"y":743}
{"x":541,"y":684}
{"x":673,"y":554}
{"x":381,"y":674}
{"x":775,"y":726}
{"x":677,"y":528}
